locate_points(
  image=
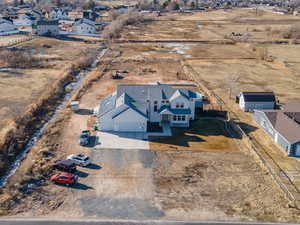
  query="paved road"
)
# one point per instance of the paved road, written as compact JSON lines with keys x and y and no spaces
{"x":117,"y":222}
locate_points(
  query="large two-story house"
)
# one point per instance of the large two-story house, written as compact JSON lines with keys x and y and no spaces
{"x":131,"y":107}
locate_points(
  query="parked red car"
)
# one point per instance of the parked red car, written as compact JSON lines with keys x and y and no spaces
{"x":64,"y":178}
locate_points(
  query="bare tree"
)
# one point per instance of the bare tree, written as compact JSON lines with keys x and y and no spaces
{"x":232,"y":82}
{"x":113,"y":30}
{"x":113,"y":14}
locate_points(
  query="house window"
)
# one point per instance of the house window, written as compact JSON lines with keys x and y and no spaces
{"x":179,"y":105}
{"x":179,"y":118}
{"x":155,"y":106}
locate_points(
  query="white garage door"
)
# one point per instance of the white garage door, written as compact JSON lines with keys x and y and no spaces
{"x":297,"y":153}
{"x":130,"y":126}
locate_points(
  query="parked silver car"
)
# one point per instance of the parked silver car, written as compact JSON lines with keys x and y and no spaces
{"x":80,"y":159}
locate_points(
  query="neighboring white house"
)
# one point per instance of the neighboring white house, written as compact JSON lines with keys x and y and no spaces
{"x":249,"y":101}
{"x":25,"y":20}
{"x":132,"y":107}
{"x":58,"y":14}
{"x":46,"y":28}
{"x":84,"y":26}
{"x":7,"y":26}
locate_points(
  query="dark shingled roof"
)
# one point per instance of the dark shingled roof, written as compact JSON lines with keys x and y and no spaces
{"x":259,"y":96}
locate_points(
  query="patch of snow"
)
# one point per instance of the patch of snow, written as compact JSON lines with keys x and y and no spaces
{"x":180,"y":48}
{"x":39,"y":132}
{"x":5,"y":69}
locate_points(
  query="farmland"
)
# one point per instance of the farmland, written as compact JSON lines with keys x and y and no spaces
{"x":200,"y":173}
{"x":30,"y":83}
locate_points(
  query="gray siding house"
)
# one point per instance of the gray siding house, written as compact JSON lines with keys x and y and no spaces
{"x":46,"y":28}
{"x":283,"y":126}
{"x":249,"y":101}
{"x":131,"y":107}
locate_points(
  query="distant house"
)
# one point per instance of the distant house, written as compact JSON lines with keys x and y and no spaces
{"x":90,"y":15}
{"x":37,"y":14}
{"x":6,"y":26}
{"x":26,"y":19}
{"x":84,"y":26}
{"x":249,"y":101}
{"x":283,"y":126}
{"x":75,"y":14}
{"x":58,"y":14}
{"x":11,"y":12}
{"x":132,"y":107}
{"x":46,"y":28}
{"x":101,"y":8}
{"x":122,"y":8}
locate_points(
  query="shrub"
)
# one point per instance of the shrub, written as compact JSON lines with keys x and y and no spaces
{"x":113,"y":30}
{"x":293,"y":32}
{"x":18,"y":59}
{"x":113,"y":14}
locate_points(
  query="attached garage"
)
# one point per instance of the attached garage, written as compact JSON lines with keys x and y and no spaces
{"x":130,"y":120}
{"x":297,"y":149}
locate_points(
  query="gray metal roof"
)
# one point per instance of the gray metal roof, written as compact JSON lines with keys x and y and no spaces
{"x":167,"y":108}
{"x":156,"y":91}
{"x":107,"y":104}
{"x":259,"y":96}
{"x":135,"y":97}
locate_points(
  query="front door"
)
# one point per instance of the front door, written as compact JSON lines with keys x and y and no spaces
{"x":165,"y":118}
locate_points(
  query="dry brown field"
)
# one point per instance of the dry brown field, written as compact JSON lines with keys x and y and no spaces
{"x":21,"y":87}
{"x":199,"y":173}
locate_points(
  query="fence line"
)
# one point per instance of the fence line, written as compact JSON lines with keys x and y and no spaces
{"x":16,"y":41}
{"x":232,"y":117}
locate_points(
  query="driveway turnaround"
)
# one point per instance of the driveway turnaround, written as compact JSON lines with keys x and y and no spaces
{"x":122,"y":140}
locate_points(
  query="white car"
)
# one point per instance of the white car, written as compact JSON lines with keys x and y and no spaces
{"x":80,"y":159}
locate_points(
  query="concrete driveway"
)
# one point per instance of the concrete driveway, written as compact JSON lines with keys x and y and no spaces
{"x":122,"y":140}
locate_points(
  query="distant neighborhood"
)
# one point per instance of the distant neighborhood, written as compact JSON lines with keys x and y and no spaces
{"x":53,"y":20}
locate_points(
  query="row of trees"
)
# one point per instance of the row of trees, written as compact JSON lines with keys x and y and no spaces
{"x":168,"y":4}
{"x":113,"y":30}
